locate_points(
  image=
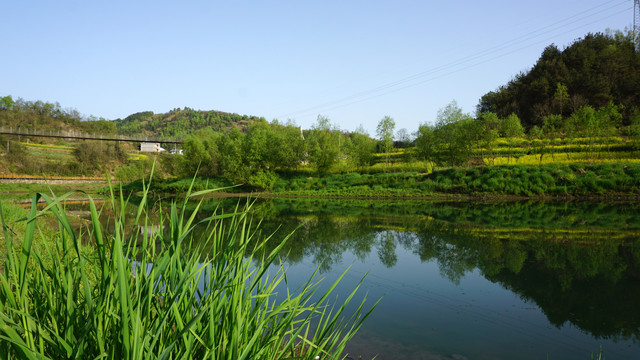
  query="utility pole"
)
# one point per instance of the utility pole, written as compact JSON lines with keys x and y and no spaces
{"x":636,"y":24}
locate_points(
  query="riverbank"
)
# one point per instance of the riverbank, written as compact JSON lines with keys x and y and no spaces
{"x":589,"y":181}
{"x":610,"y":182}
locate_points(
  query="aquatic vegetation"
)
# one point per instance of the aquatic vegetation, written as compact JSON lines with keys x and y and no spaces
{"x":108,"y":292}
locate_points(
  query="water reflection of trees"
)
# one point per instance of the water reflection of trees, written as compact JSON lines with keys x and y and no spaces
{"x":323,"y":239}
{"x":591,"y":284}
{"x":568,"y":259}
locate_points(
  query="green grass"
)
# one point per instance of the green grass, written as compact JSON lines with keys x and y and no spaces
{"x":49,"y":146}
{"x":566,"y":158}
{"x":23,"y":192}
{"x":554,"y":179}
{"x":107,"y":293}
{"x":576,"y":179}
{"x":50,"y":152}
{"x":352,"y":184}
{"x":178,"y":186}
{"x":12,"y":214}
{"x":51,"y":155}
{"x":397,"y":166}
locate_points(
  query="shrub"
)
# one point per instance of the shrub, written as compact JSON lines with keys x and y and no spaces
{"x":263,"y":179}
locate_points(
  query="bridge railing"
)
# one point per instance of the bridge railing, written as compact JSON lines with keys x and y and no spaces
{"x":73,"y":134}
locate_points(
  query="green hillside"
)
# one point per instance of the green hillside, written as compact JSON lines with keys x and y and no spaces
{"x":34,"y":155}
{"x":46,"y":116}
{"x":595,"y":70}
{"x":181,"y":122}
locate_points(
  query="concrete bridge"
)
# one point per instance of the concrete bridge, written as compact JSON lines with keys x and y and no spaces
{"x":82,"y":136}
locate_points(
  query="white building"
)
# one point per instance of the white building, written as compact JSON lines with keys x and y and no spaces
{"x":151,"y":147}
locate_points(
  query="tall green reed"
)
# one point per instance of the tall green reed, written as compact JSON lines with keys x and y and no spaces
{"x":114,"y":293}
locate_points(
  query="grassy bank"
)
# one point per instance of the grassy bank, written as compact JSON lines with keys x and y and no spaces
{"x":581,"y":180}
{"x":552,"y":179}
{"x":521,"y":180}
{"x":24,"y":191}
{"x":108,"y":292}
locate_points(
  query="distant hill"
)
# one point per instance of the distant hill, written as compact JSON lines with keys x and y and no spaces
{"x":181,"y":122}
{"x":55,"y":156}
{"x":592,"y":71}
{"x":45,"y":116}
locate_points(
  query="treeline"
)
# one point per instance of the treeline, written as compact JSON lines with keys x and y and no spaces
{"x":181,"y":122}
{"x":40,"y":115}
{"x":593,"y":71}
{"x":266,"y":153}
{"x":254,"y":156}
{"x":458,"y":139}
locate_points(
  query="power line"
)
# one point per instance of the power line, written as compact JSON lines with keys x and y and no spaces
{"x":460,"y":61}
{"x":435,"y":77}
{"x":410,"y":81}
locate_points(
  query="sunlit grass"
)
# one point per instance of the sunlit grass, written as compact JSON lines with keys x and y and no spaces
{"x":49,"y":146}
{"x":137,"y":157}
{"x":100,"y":293}
{"x":419,"y":166}
{"x":395,"y":152}
{"x":566,"y":158}
{"x":564,"y":141}
{"x":52,"y":155}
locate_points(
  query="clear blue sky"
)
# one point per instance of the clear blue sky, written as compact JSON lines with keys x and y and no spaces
{"x":352,"y":61}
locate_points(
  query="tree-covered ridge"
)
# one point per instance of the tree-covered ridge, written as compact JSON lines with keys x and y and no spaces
{"x":595,"y":70}
{"x":43,"y":116}
{"x":181,"y":122}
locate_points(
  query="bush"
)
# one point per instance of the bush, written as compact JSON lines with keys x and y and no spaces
{"x":94,"y":155}
{"x":134,"y":171}
{"x":263,"y":179}
{"x":16,"y":152}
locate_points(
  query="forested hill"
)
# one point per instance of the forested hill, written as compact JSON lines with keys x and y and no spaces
{"x":44,"y":116}
{"x":595,"y":70}
{"x":181,"y":122}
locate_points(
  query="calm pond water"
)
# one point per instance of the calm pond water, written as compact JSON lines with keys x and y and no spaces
{"x":475,"y":281}
{"x":464,"y":280}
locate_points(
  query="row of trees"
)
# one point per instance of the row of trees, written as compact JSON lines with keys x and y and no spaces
{"x":243,"y":149}
{"x":456,"y":138}
{"x":252,"y":157}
